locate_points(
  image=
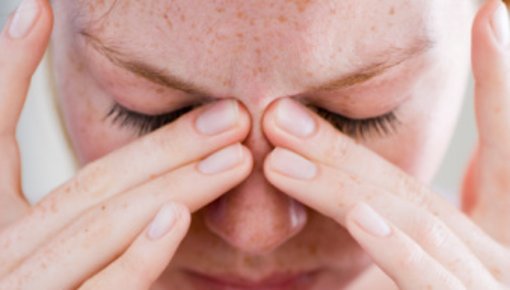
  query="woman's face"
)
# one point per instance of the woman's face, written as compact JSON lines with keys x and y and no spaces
{"x":360,"y":59}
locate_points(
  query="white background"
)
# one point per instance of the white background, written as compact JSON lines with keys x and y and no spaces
{"x":447,"y":179}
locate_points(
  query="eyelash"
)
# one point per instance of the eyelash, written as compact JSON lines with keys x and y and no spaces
{"x":358,"y":128}
{"x":361,"y":128}
{"x":141,"y":122}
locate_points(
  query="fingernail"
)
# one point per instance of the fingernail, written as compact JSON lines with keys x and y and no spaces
{"x":162,"y":222}
{"x":24,"y":18}
{"x":501,"y":24}
{"x":291,"y":164}
{"x":294,"y":119}
{"x":222,"y":160}
{"x":219,"y":118}
{"x":370,"y":221}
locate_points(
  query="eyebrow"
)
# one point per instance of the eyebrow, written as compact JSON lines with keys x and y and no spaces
{"x":392,"y":58}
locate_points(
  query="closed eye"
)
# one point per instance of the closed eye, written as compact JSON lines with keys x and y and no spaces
{"x":379,"y":126}
{"x":357,"y":128}
{"x":143,"y":123}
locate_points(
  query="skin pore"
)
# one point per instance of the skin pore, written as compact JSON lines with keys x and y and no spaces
{"x":357,"y":59}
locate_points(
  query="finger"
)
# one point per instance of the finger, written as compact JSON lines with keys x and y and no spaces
{"x":334,"y":194}
{"x":123,"y":218}
{"x":144,"y":261}
{"x":392,"y":250}
{"x":326,"y":146}
{"x":22,"y":44}
{"x":191,"y":138}
{"x":488,"y":198}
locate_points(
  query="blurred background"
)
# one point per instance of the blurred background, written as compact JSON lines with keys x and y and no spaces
{"x":447,"y":180}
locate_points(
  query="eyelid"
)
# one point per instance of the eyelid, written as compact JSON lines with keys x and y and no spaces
{"x":141,"y":122}
{"x":382,"y":125}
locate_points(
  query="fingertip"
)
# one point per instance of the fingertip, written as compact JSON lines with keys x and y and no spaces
{"x":269,"y":114}
{"x":490,"y":38}
{"x":32,"y":20}
{"x":364,"y":217}
{"x":184,"y":214}
{"x":169,"y":225}
{"x":270,"y":125}
{"x":26,"y":34}
{"x":248,"y":159}
{"x":245,"y":119}
{"x":491,"y":63}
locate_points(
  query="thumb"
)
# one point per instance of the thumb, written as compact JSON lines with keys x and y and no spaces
{"x":487,"y":185}
{"x":22,"y":44}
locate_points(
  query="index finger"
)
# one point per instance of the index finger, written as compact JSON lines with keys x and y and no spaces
{"x":194,"y":136}
{"x":364,"y":173}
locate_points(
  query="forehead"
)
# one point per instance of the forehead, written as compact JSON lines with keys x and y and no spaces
{"x":272,"y":45}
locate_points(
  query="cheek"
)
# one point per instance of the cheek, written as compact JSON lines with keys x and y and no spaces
{"x":84,"y":107}
{"x":91,"y":137}
{"x":428,"y":120}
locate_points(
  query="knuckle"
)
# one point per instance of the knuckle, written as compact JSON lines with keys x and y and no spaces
{"x":432,"y":233}
{"x":89,"y":181}
{"x":411,"y":257}
{"x":411,"y":190}
{"x":337,"y":148}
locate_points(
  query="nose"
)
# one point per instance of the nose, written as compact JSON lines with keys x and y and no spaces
{"x":255,"y":218}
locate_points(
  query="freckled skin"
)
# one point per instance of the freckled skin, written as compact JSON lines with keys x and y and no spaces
{"x":256,"y":52}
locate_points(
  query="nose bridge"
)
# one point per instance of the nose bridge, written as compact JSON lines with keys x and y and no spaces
{"x":255,"y":217}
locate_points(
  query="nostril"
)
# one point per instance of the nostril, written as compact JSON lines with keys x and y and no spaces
{"x":255,"y":228}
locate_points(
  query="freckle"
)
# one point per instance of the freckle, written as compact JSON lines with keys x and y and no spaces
{"x":220,"y":9}
{"x":168,"y":21}
{"x":183,"y":18}
{"x":301,"y":4}
{"x":392,"y":10}
{"x":228,"y":83}
{"x":241,"y":15}
{"x":312,"y":249}
{"x":282,"y":19}
{"x":496,"y":272}
{"x":219,"y":36}
{"x":103,"y":207}
{"x":80,"y":66}
{"x":240,"y":35}
{"x":373,"y":28}
{"x":53,"y":206}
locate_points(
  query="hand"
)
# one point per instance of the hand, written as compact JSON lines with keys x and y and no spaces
{"x":418,"y":239}
{"x":95,"y":231}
